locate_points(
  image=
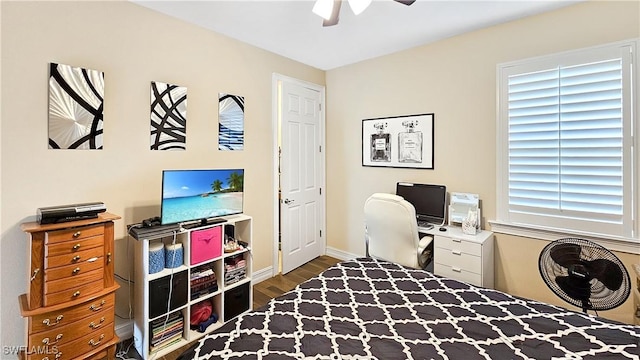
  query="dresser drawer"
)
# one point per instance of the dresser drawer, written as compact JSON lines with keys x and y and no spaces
{"x":73,"y":257}
{"x":458,"y":259}
{"x":75,"y":288}
{"x":85,"y":344}
{"x":457,"y":274}
{"x":464,"y":246}
{"x":61,"y":272}
{"x":70,"y":234}
{"x":72,"y":331}
{"x":74,"y":246}
{"x":56,"y":319}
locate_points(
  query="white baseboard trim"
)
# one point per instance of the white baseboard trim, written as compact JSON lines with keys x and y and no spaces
{"x":124,"y":328}
{"x":262,"y":275}
{"x":340,"y":254}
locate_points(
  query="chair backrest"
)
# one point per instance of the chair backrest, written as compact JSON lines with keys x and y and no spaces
{"x":391,"y":229}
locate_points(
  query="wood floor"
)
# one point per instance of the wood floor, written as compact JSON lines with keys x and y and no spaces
{"x":276,"y":286}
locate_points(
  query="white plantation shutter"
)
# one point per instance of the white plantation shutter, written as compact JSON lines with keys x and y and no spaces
{"x":567,"y":141}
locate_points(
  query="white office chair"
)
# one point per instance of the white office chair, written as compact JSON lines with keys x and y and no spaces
{"x":391,"y":231}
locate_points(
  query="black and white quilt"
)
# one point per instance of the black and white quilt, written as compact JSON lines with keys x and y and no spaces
{"x":372,"y":309}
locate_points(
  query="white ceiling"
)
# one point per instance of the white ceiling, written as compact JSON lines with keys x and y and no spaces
{"x":289,"y":28}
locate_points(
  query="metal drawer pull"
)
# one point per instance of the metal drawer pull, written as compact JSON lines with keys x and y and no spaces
{"x":46,"y":340}
{"x":456,"y":252}
{"x":456,"y":240}
{"x":76,"y":247}
{"x":93,"y":307}
{"x":48,"y":322}
{"x":35,"y":272}
{"x":94,"y":325}
{"x":58,"y":356}
{"x":456,"y":269}
{"x":76,"y":258}
{"x":76,"y":234}
{"x":76,"y":270}
{"x":96,"y":343}
{"x":76,"y":294}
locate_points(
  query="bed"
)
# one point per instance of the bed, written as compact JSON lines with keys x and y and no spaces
{"x":373,"y":309}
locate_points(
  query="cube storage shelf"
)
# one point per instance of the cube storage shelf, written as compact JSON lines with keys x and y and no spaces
{"x":197,"y":286}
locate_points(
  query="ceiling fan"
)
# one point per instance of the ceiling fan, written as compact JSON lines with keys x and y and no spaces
{"x":329,"y":10}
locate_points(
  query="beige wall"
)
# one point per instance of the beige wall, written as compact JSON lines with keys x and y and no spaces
{"x":133,"y":46}
{"x":456,"y":80}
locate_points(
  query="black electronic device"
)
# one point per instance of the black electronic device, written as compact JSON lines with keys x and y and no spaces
{"x":430,"y":202}
{"x":72,"y":212}
{"x":584,"y":274}
{"x":150,"y":222}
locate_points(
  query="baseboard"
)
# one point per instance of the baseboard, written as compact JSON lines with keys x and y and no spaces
{"x":262,"y":275}
{"x":340,"y":254}
{"x":124,"y":328}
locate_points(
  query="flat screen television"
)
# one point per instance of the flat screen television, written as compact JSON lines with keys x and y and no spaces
{"x":429,"y":200}
{"x":200,"y":195}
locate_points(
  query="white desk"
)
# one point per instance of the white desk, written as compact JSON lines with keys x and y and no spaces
{"x":463,"y":257}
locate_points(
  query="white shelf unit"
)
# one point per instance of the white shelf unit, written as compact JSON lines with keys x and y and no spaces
{"x":224,"y":296}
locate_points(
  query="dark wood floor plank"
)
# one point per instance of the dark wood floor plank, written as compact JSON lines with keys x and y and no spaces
{"x":278,"y":285}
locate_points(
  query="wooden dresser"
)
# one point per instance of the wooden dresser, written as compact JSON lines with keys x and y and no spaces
{"x":71,"y":295}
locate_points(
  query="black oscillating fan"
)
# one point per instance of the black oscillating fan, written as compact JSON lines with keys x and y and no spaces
{"x":584,"y":274}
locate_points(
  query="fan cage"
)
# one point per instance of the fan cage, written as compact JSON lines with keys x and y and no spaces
{"x":601,"y":298}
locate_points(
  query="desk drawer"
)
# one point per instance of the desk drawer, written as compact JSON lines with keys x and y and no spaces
{"x":458,"y":259}
{"x":464,"y":246}
{"x":457,"y":274}
{"x":78,"y":233}
{"x":56,"y":319}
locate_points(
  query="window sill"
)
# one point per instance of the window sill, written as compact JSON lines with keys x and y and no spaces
{"x":627,"y":245}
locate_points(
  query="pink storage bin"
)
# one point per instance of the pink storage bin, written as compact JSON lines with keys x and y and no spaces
{"x":206,"y":244}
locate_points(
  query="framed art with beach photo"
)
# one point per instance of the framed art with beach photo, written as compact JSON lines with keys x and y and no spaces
{"x":399,"y":141}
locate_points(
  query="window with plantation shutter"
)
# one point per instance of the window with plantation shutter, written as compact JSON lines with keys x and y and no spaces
{"x":566,"y":154}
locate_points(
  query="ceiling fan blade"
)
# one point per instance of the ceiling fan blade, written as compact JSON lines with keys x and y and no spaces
{"x":566,"y":254}
{"x":406,"y":2}
{"x":606,"y":271}
{"x":575,"y":288}
{"x":335,"y":14}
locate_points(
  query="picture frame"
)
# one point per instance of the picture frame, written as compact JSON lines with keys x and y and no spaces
{"x":404,"y":141}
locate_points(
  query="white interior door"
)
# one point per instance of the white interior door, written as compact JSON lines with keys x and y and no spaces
{"x":301,"y":174}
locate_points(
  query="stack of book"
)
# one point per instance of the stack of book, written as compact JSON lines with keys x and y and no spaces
{"x":203,"y":282}
{"x":235,"y":269}
{"x":166,"y":331}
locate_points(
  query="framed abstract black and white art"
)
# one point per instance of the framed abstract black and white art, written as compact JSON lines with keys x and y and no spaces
{"x":231,"y":122}
{"x":168,"y":116}
{"x":399,"y":141}
{"x":76,"y":104}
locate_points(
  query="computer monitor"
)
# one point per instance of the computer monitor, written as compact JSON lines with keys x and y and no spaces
{"x":430,"y":201}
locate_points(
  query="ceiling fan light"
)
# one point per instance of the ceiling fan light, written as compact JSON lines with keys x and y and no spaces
{"x":323,"y":8}
{"x":358,"y":6}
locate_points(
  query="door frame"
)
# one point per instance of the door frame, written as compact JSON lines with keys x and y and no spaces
{"x":275,"y":128}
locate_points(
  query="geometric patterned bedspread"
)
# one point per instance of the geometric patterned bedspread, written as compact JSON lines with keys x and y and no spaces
{"x":372,"y":309}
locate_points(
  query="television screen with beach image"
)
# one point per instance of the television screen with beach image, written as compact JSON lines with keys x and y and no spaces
{"x":190,"y":195}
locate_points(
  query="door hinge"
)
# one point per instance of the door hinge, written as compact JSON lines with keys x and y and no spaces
{"x":320,"y":148}
{"x":319,"y":106}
